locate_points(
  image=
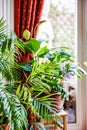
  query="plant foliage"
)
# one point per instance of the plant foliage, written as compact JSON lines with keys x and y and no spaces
{"x":30,"y":84}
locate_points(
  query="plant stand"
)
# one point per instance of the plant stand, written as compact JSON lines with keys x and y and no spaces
{"x":63,"y":115}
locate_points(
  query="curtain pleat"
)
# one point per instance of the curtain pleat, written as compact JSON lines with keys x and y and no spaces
{"x":17,"y":14}
{"x":23,"y":16}
{"x":33,"y":17}
{"x":27,"y":14}
{"x":39,"y":9}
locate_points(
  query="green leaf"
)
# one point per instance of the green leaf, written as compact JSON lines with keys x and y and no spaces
{"x":33,"y":45}
{"x":43,"y":51}
{"x":82,"y":70}
{"x":19,"y":44}
{"x":64,"y":54}
{"x":9,"y":43}
{"x":25,"y":66}
{"x":26,"y":34}
{"x":49,"y":56}
{"x":3,"y":46}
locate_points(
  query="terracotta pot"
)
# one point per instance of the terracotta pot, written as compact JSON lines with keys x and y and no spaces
{"x":58,"y":106}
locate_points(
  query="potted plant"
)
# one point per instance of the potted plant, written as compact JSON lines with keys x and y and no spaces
{"x":21,"y":101}
{"x":52,"y":67}
{"x":28,"y":83}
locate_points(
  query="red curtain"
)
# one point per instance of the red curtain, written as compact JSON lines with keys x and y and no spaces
{"x":27,"y":14}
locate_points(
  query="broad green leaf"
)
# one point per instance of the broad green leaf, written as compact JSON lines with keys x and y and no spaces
{"x":33,"y":45}
{"x":26,"y":34}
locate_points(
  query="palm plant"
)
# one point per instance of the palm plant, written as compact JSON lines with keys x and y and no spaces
{"x":11,"y":109}
{"x":18,"y":96}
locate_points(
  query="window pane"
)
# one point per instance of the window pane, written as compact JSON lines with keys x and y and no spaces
{"x":60,"y":30}
{"x":62,"y":16}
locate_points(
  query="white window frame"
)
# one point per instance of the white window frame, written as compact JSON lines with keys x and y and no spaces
{"x":81,"y":107}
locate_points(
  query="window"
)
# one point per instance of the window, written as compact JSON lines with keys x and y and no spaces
{"x":60,"y":30}
{"x":62,"y":15}
{"x":67,"y":27}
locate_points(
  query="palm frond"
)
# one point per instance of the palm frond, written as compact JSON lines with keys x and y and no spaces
{"x":6,"y":36}
{"x":13,"y":109}
{"x":3,"y":28}
{"x":8,"y":67}
{"x":44,"y":107}
{"x":20,"y":44}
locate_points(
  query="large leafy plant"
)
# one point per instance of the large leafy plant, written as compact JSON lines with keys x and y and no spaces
{"x":49,"y":66}
{"x":28,"y":82}
{"x":21,"y":96}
